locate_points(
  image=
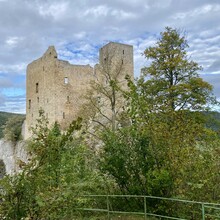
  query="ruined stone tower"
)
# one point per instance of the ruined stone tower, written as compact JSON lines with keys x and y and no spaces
{"x":57,"y":87}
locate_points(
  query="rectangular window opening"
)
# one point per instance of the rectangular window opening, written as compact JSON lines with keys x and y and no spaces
{"x":122,"y":61}
{"x":66,"y":80}
{"x":63,"y":115}
{"x":68,"y":99}
{"x":123,"y":51}
{"x":37,"y":89}
{"x":29,"y":104}
{"x":38,"y":99}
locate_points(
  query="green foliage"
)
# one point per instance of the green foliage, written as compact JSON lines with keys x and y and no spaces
{"x":61,"y":168}
{"x":128,"y":157}
{"x":2,"y":169}
{"x":166,"y":149}
{"x":173,"y":82}
{"x":4,"y":117}
{"x":12,"y":128}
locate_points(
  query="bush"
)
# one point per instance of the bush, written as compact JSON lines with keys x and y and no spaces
{"x":12,"y":128}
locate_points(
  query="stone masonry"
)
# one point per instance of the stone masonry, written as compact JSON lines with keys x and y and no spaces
{"x":58,"y":87}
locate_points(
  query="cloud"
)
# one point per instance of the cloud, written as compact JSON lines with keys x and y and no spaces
{"x":14,"y":104}
{"x":55,"y":10}
{"x":214,"y":80}
{"x":214,"y":67}
{"x":79,"y":28}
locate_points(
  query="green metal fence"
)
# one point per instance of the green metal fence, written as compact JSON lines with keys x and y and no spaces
{"x":149,"y":206}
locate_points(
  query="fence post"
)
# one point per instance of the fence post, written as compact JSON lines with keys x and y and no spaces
{"x":145,"y":208}
{"x":203,"y":211}
{"x":108,"y":207}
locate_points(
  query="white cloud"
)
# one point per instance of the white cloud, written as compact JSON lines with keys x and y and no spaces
{"x":100,"y":10}
{"x":14,"y":69}
{"x":56,"y":10}
{"x":123,"y":14}
{"x":78,"y":28}
{"x":200,"y":11}
{"x":13,"y":41}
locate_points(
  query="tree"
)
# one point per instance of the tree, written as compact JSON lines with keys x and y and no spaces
{"x":60,"y":169}
{"x":162,"y":151}
{"x":173,"y":82}
{"x":168,"y":101}
{"x":12,"y":128}
{"x":105,"y":100}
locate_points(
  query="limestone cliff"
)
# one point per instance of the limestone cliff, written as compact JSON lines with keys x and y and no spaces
{"x":12,"y":155}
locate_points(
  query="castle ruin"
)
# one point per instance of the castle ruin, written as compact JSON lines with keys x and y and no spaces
{"x":57,"y":87}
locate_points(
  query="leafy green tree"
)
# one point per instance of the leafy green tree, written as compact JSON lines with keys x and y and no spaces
{"x":129,"y":159}
{"x":61,"y":168}
{"x":162,"y":151}
{"x":172,"y":81}
{"x":12,"y":128}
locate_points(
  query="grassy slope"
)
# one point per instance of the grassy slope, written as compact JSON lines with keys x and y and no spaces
{"x":4,"y":116}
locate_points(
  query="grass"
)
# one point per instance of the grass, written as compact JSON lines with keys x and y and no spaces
{"x":115,"y":217}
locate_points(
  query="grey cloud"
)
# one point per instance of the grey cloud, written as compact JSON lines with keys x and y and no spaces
{"x":14,"y":104}
{"x":215,"y":66}
{"x":28,"y":27}
{"x":214,"y":80}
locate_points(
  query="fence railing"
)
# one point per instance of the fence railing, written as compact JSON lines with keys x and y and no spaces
{"x":149,"y":206}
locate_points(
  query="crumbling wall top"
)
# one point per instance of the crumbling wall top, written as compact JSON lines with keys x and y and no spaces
{"x":50,"y":53}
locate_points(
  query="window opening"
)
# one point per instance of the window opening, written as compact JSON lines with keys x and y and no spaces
{"x":122,"y":61}
{"x":29,"y":103}
{"x":68,"y":99}
{"x":63,"y":115}
{"x":38,"y":99}
{"x":98,"y":99}
{"x":37,"y":89}
{"x":66,"y":80}
{"x":123,"y":51}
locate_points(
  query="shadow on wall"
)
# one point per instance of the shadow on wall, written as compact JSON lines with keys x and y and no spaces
{"x":2,"y":169}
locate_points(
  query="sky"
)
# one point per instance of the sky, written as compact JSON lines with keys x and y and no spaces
{"x":78,"y":28}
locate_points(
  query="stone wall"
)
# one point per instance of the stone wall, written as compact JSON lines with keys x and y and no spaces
{"x":58,"y":87}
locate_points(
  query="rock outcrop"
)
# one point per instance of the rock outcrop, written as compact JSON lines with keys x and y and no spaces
{"x":13,"y":155}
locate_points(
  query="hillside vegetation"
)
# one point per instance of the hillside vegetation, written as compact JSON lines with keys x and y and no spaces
{"x":4,"y":116}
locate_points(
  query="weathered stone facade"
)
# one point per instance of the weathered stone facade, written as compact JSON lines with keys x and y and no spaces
{"x":58,"y":87}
